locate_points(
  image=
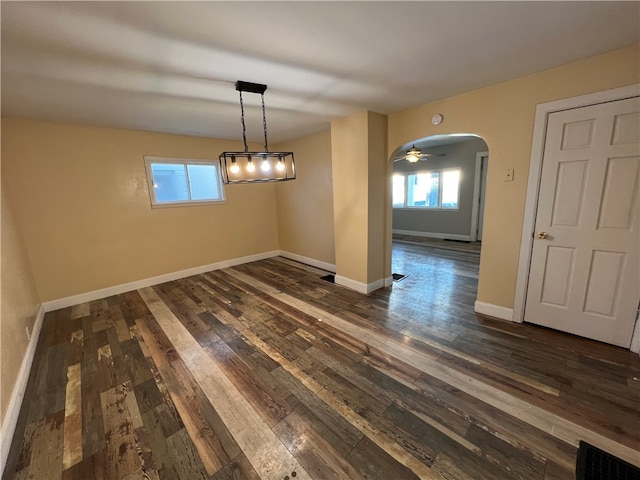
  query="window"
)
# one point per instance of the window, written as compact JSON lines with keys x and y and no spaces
{"x":177,"y":181}
{"x":436,"y":189}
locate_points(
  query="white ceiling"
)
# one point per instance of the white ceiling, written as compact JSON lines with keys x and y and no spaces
{"x":170,"y":66}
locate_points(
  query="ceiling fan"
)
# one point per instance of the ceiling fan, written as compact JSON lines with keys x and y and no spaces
{"x":414,"y":154}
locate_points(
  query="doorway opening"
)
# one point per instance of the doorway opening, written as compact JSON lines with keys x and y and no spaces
{"x":437,"y":216}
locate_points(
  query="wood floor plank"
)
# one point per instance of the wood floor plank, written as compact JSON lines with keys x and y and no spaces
{"x":518,"y":463}
{"x":342,"y":435}
{"x":107,"y":376}
{"x":312,"y":450}
{"x":257,"y":390}
{"x":143,"y":448}
{"x":132,"y":365}
{"x":486,"y":365}
{"x":379,"y":438}
{"x":47,"y":446}
{"x":238,"y":469}
{"x":498,"y":423}
{"x":372,"y":462}
{"x":80,"y":311}
{"x":73,"y":418}
{"x":93,"y":438}
{"x":554,"y":471}
{"x":75,"y":347}
{"x":119,"y":323}
{"x":158,"y":426}
{"x":186,"y":460}
{"x":183,"y":393}
{"x":265,"y":452}
{"x":121,"y":454}
{"x":266,"y":371}
{"x":49,"y":382}
{"x":547,"y":421}
{"x":403,"y":437}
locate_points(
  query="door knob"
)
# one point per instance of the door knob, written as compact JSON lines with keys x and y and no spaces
{"x":542,"y":235}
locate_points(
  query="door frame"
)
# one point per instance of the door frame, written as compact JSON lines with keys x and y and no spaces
{"x":543,"y":110}
{"x":477,"y":192}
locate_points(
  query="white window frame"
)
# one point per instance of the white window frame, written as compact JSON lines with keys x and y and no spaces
{"x":148,"y":161}
{"x":419,"y":207}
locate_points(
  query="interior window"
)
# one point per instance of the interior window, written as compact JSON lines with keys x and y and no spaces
{"x":181,"y":181}
{"x":438,"y":189}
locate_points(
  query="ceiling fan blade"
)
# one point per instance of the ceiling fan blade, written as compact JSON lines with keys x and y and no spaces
{"x":433,"y":155}
{"x":397,"y":159}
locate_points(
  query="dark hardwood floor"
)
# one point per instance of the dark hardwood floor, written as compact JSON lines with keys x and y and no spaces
{"x":265,"y":371}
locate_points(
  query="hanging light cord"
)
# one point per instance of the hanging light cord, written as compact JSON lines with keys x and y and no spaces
{"x":264,"y":124}
{"x":244,"y":128}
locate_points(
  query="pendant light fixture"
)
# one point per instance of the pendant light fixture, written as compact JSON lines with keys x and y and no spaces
{"x":256,"y":167}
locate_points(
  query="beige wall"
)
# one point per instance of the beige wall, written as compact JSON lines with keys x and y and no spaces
{"x":358,"y":151}
{"x":81,"y":200}
{"x":19,"y":304}
{"x":305,"y":205}
{"x":350,"y":204}
{"x":378,"y":212}
{"x":503,"y":116}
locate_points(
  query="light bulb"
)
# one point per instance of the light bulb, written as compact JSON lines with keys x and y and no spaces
{"x":280,"y":166}
{"x":234,"y":167}
{"x":413,"y":154}
{"x":250,"y":166}
{"x":265,"y":166}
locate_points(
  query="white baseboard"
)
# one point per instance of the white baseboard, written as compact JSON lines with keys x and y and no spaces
{"x":15,"y":401}
{"x":360,"y":287}
{"x":496,"y":311}
{"x":329,"y":267}
{"x":388,"y":281}
{"x":147,"y":282}
{"x":442,"y":236}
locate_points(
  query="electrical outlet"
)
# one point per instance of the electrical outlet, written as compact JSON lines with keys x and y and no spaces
{"x":508,"y":175}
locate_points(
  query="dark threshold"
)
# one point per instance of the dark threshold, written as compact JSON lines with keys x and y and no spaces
{"x":332,"y":278}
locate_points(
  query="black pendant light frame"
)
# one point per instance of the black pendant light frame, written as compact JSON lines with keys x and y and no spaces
{"x":239,"y":167}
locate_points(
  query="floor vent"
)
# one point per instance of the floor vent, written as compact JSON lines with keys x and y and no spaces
{"x":595,"y":464}
{"x":398,"y":276}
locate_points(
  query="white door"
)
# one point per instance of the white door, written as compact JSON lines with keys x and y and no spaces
{"x":585,"y":273}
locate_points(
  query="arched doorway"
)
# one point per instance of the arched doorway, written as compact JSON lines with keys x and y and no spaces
{"x":437,"y":216}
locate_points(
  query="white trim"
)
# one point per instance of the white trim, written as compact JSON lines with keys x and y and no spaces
{"x":444,"y":236}
{"x":475,"y":207}
{"x":360,"y":287}
{"x":148,"y":160}
{"x":473,"y":232}
{"x":329,"y":267}
{"x":147,"y":282}
{"x":496,"y":311}
{"x":17,"y":395}
{"x":388,"y":281}
{"x":543,"y":111}
{"x":635,"y":338}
